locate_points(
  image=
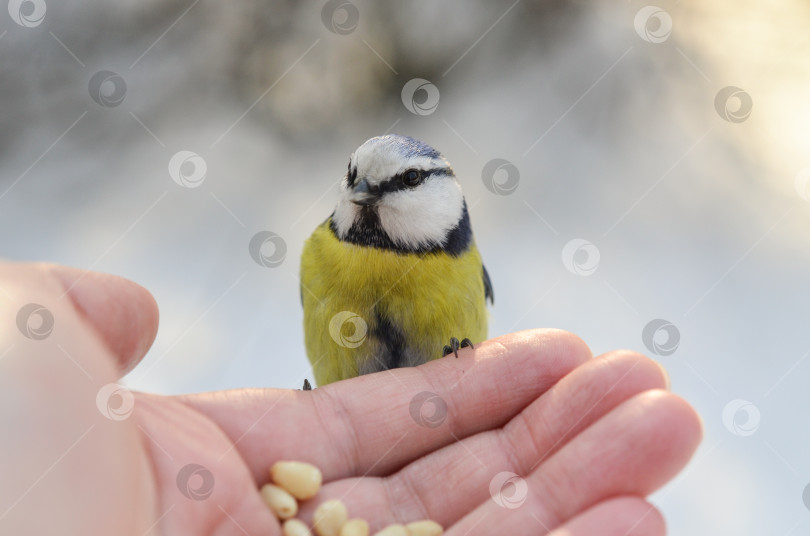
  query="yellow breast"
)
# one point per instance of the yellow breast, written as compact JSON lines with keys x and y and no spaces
{"x":364,"y":307}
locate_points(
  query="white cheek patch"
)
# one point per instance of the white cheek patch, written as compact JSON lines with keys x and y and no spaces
{"x":423,"y":216}
{"x":346,"y":213}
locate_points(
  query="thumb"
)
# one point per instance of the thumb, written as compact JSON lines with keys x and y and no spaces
{"x":123,"y":313}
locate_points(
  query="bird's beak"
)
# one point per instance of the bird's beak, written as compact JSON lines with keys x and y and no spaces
{"x":365,"y":194}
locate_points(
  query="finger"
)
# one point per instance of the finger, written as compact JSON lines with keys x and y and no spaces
{"x":52,"y":369}
{"x":447,"y":484}
{"x":366,"y":425}
{"x":632,"y":450}
{"x":576,"y":402}
{"x":203,"y":486}
{"x":123,"y":313}
{"x":621,"y":516}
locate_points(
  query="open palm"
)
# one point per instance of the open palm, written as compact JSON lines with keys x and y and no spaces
{"x":526,"y":434}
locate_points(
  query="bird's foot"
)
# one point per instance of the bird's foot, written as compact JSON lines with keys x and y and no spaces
{"x":454,"y":345}
{"x":307,"y":385}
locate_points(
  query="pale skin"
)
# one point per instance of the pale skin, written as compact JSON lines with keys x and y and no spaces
{"x":592,"y":436}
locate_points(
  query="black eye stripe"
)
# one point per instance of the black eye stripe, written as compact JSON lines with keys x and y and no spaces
{"x":437,"y":171}
{"x":395,"y":183}
{"x":351,"y":175}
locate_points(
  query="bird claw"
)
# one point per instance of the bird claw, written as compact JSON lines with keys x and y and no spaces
{"x":454,"y":345}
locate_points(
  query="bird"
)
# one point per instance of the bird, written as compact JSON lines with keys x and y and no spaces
{"x":393,"y":277}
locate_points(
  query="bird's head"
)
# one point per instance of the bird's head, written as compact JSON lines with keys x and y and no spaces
{"x":403,"y":188}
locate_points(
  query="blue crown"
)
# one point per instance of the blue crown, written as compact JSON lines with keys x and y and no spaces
{"x":406,"y":146}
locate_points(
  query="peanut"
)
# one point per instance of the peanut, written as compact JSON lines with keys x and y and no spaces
{"x":329,"y":518}
{"x":280,"y":502}
{"x":295,"y":527}
{"x":425,"y":527}
{"x":302,"y":480}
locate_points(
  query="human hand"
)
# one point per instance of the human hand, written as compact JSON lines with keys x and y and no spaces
{"x":590,"y":436}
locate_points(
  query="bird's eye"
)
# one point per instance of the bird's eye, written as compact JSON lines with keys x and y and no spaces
{"x":412,"y":177}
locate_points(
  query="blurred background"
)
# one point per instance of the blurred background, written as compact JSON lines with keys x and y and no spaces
{"x":636,"y":173}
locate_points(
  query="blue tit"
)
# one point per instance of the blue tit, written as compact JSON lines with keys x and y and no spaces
{"x":393,"y":274}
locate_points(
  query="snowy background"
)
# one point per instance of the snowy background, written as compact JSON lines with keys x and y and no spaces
{"x":687,"y":201}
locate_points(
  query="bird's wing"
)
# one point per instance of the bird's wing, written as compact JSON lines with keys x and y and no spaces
{"x":488,"y":293}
